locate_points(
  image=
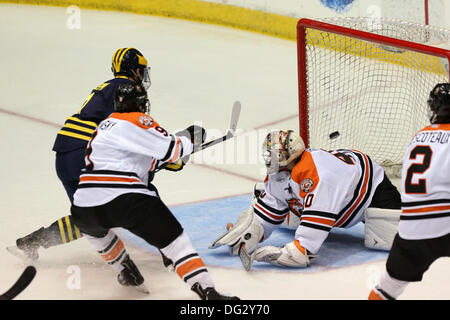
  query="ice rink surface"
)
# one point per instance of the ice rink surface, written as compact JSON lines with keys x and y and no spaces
{"x":198,"y":71}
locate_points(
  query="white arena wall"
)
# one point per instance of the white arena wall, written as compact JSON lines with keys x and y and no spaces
{"x":410,"y":10}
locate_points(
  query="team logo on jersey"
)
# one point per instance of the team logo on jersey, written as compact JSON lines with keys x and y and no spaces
{"x":306,"y":185}
{"x":146,"y":121}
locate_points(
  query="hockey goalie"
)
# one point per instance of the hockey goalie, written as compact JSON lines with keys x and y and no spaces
{"x":312,"y":191}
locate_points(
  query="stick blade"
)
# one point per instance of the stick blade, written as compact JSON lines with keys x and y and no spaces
{"x":246,"y":258}
{"x":235,"y":113}
{"x":24,"y":280}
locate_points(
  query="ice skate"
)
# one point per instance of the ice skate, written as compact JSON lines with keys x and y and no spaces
{"x":130,"y":276}
{"x":210,"y":293}
{"x":28,"y":246}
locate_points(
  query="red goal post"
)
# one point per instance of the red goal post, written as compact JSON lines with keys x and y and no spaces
{"x":366,"y":77}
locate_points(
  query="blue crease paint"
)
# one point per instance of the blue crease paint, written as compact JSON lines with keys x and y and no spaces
{"x":205,"y":221}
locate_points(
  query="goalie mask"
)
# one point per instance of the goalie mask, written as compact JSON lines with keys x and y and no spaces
{"x":280,"y":148}
{"x":439,"y":104}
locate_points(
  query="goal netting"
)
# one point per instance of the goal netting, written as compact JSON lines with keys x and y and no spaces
{"x":364,"y":83}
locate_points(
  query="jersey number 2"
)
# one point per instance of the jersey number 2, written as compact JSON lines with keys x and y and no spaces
{"x":418,"y":168}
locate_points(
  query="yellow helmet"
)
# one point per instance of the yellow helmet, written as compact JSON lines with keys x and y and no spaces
{"x":126,"y":61}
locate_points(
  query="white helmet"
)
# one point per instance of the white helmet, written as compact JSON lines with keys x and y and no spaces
{"x":281,"y":148}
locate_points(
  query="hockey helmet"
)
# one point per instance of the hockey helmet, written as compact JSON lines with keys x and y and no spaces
{"x":129,"y":61}
{"x":131,"y":97}
{"x":439,"y":104}
{"x":280,"y":148}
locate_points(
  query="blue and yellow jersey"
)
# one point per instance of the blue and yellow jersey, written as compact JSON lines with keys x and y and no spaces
{"x":78,"y":128}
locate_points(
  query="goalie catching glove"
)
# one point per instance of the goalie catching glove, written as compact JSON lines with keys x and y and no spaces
{"x":291,"y":255}
{"x":248,"y":230}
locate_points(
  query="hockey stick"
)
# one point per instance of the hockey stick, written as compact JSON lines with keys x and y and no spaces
{"x":246,"y":258}
{"x":235,"y":113}
{"x":20,"y":285}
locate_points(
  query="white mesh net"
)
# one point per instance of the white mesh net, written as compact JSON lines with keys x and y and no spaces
{"x":367,"y":96}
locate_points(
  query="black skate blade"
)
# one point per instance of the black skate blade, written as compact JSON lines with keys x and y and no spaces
{"x":142,"y":289}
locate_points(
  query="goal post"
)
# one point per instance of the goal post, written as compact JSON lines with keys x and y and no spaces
{"x":363,"y":83}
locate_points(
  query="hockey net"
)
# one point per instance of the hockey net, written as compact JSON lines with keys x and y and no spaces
{"x":364,"y":83}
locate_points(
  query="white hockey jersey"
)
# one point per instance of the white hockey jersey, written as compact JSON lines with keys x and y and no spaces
{"x":122,"y":151}
{"x":426,"y":185}
{"x":327,"y":188}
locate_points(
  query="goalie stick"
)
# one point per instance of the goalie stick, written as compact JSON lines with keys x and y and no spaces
{"x":235,"y":113}
{"x":20,"y":285}
{"x":246,"y":258}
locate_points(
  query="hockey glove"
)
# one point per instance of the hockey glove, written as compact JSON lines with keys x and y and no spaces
{"x":175,"y":166}
{"x":247,"y":230}
{"x":291,"y":255}
{"x":195,"y":133}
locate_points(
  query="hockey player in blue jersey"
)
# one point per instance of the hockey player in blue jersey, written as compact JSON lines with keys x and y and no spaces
{"x":128,"y":65}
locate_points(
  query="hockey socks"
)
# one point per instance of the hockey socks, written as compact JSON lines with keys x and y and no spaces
{"x":387,"y":288}
{"x":110,"y":248}
{"x":62,"y":231}
{"x":187,"y":263}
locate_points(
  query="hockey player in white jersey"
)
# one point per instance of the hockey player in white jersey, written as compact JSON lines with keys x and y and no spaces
{"x":114,"y":192}
{"x":424,"y":229}
{"x":326,"y":189}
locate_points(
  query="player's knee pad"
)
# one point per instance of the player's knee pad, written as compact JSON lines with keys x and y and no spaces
{"x":380,"y":227}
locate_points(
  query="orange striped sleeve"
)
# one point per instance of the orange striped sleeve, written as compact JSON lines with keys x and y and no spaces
{"x":111,"y":179}
{"x":176,"y":153}
{"x":319,"y":220}
{"x":427,"y":209}
{"x":299,"y":247}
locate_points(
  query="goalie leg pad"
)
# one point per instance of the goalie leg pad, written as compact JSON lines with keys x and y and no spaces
{"x":380,"y":228}
{"x":248,"y":230}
